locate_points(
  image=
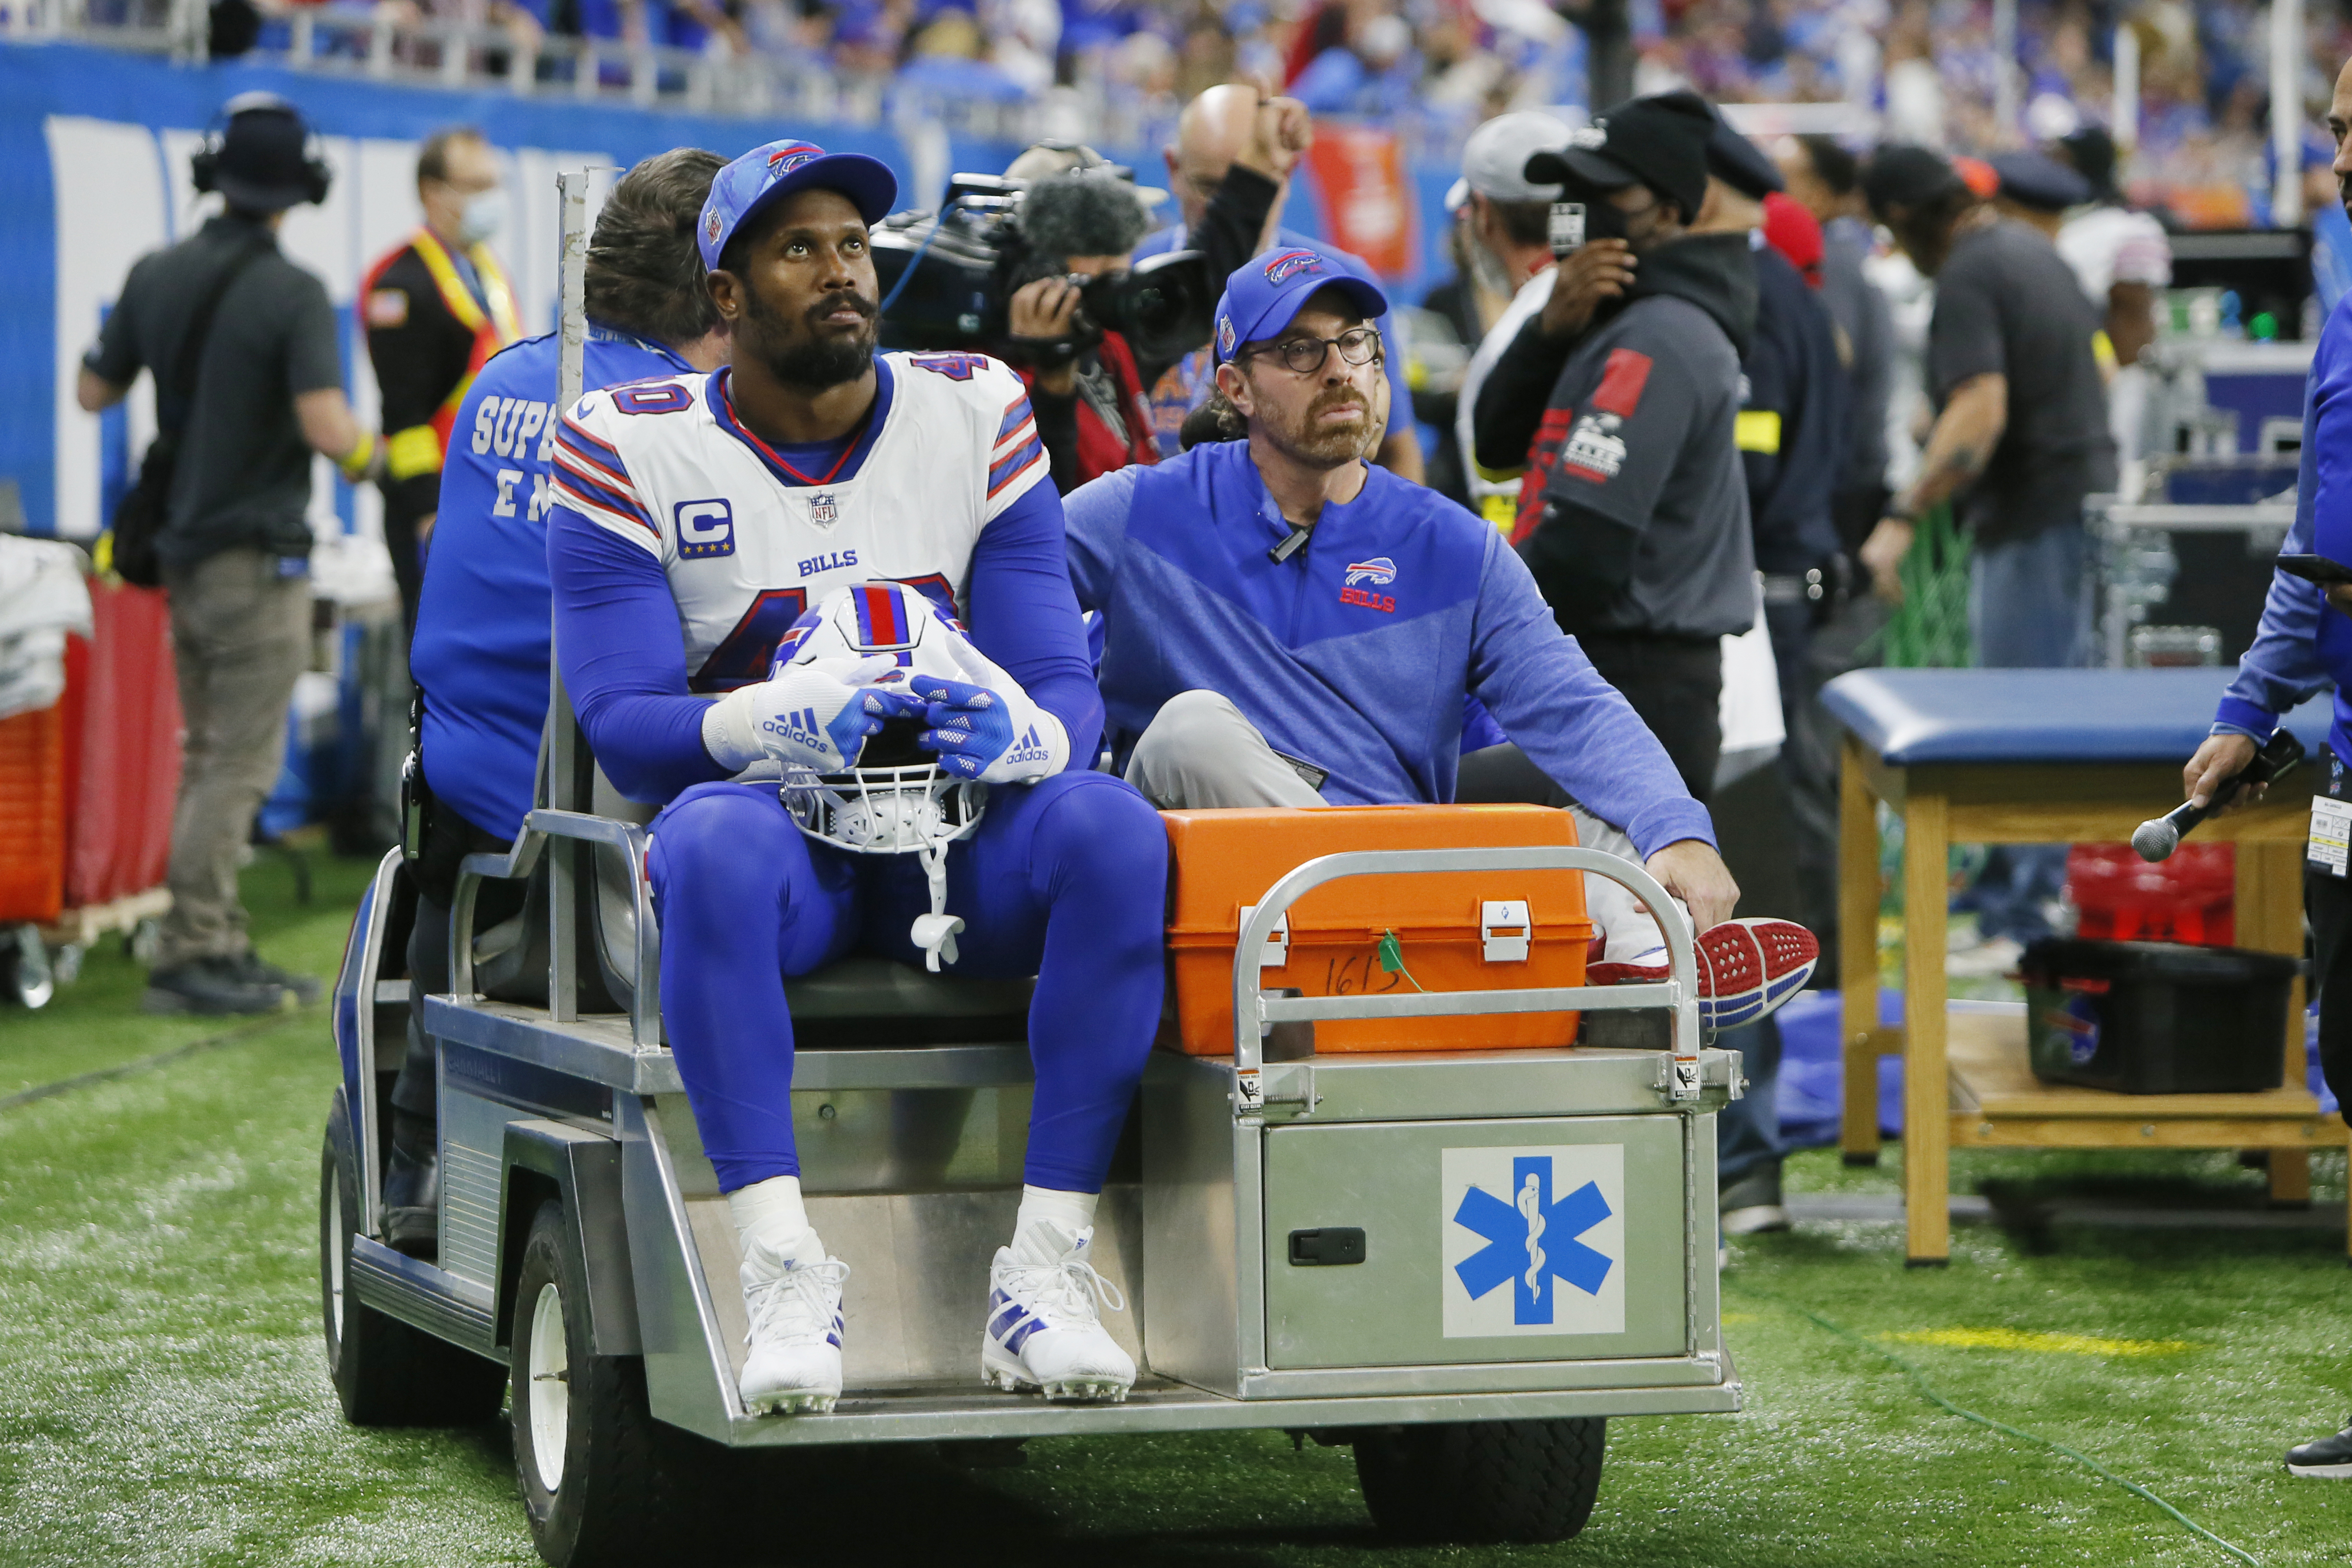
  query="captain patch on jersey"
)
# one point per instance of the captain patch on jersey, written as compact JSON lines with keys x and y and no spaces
{"x":751,"y":535}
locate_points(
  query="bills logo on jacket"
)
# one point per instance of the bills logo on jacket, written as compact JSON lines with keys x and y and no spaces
{"x":1357,"y":584}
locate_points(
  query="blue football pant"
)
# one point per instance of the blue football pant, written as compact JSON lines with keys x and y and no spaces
{"x":1065,"y":880}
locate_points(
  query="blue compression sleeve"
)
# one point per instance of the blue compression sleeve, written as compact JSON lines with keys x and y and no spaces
{"x":1024,"y":616}
{"x":623,"y":660}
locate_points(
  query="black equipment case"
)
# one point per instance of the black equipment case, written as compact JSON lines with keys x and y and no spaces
{"x":2148,"y":1018}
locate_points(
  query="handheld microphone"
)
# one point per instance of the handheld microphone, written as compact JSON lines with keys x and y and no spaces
{"x":2157,"y":839}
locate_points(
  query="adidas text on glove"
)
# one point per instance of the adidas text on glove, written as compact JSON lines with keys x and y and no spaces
{"x":810,"y":715}
{"x":988,"y":728}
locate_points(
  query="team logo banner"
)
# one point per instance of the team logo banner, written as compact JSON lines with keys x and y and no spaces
{"x":1534,"y":1240}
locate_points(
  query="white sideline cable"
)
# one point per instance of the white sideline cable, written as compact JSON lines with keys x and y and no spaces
{"x":1927,"y":1390}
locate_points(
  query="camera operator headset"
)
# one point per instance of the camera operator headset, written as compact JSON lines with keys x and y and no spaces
{"x":1080,"y":221}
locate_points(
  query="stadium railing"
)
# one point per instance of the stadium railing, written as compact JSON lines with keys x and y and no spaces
{"x":367,"y":42}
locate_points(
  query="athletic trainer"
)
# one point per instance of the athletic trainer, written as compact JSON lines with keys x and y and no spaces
{"x":1289,"y":625}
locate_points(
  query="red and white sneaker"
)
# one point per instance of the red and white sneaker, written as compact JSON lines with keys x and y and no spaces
{"x":1746,"y":968}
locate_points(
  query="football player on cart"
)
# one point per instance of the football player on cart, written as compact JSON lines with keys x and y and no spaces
{"x":809,"y":603}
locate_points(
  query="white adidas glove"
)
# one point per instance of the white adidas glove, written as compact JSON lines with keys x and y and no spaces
{"x":986,"y":728}
{"x":811,"y":715}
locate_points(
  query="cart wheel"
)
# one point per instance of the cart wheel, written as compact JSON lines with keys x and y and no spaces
{"x":1483,"y":1480}
{"x":385,"y":1372}
{"x":597,"y":1472}
{"x":140,"y":942}
{"x":66,"y":963}
{"x":27,"y":964}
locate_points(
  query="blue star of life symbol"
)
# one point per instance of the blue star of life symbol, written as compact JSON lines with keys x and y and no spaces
{"x":1531,"y":1240}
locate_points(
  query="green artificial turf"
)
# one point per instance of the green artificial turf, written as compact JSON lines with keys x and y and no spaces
{"x":163,"y":1398}
{"x":95,"y":1023}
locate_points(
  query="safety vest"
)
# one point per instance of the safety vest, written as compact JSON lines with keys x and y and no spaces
{"x":419,"y":449}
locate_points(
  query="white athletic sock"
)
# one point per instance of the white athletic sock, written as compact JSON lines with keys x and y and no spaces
{"x":1072,"y":1211}
{"x":771,"y":1213}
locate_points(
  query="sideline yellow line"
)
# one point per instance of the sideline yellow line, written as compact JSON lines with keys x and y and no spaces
{"x":2028,"y":1340}
{"x":1929,"y":1392}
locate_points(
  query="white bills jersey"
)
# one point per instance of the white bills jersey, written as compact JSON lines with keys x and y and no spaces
{"x":749,"y":537}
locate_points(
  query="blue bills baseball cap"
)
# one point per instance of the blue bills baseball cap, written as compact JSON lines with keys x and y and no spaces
{"x":1265,"y":292}
{"x":771,"y":173}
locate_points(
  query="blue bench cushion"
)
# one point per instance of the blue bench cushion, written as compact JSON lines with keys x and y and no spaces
{"x":1913,"y":716}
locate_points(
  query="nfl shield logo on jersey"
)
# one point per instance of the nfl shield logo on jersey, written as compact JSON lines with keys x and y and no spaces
{"x":1533,"y":1240}
{"x":823,"y":510}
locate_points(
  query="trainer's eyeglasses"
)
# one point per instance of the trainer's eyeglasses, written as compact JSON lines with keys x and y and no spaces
{"x":1305,"y":356}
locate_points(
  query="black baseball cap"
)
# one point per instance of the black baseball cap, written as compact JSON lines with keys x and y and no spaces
{"x":1902,"y":175}
{"x":261,"y":167}
{"x":2044,"y":184}
{"x":2093,"y":153}
{"x":1659,"y":142}
{"x":1740,"y":164}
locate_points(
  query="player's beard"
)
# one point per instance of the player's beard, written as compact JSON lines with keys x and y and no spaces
{"x":1326,"y":445}
{"x":819,"y":359}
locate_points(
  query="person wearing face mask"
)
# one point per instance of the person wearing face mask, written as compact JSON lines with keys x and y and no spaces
{"x":1621,"y":397}
{"x":437,"y":307}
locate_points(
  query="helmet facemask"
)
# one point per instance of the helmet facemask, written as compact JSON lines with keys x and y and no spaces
{"x":894,"y":799}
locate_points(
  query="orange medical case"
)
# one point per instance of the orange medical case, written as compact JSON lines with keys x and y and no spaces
{"x":1221,"y":861}
{"x":32,"y":814}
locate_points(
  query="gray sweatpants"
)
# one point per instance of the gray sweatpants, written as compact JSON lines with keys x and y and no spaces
{"x":240,"y":634}
{"x":1198,"y":752}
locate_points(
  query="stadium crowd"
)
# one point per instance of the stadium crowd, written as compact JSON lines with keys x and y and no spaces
{"x":1929,"y":68}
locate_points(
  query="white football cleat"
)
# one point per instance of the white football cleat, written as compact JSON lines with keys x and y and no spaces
{"x":794,"y":1367}
{"x":1044,"y":1332}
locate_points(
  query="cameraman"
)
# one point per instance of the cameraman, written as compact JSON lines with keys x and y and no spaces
{"x":1084,"y":385}
{"x":263,"y":392}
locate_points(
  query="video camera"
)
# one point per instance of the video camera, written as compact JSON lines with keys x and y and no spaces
{"x":946,"y":278}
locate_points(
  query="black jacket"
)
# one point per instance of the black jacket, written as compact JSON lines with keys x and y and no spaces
{"x":1512,"y":398}
{"x":1792,"y":423}
{"x":1634,"y":515}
